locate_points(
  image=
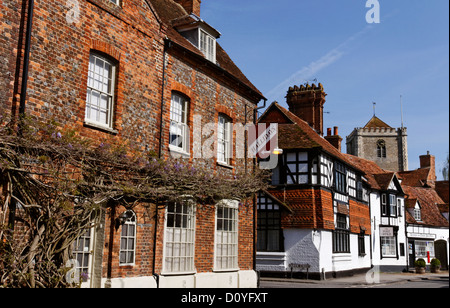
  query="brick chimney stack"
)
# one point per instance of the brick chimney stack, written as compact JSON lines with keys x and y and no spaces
{"x":306,"y":102}
{"x":334,"y":139}
{"x":191,"y":6}
{"x":429,"y":161}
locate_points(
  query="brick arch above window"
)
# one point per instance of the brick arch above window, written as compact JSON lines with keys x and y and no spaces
{"x":181,"y":88}
{"x":222,"y":109}
{"x":106,"y":48}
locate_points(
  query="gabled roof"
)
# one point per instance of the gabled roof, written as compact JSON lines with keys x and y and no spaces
{"x":415,"y":178}
{"x":375,"y":122}
{"x":173,"y":15}
{"x":430,"y":204}
{"x":294,"y":133}
{"x":377,"y":177}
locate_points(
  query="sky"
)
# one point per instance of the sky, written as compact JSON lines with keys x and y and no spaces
{"x":403,"y":58}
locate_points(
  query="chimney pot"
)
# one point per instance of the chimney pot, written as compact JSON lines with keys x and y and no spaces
{"x":307,"y":104}
{"x":329,"y":131}
{"x":336,"y":131}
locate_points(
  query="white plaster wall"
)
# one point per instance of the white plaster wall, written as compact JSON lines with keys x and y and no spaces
{"x":301,"y":249}
{"x":135,"y":283}
{"x":375,"y":210}
{"x":240,"y":279}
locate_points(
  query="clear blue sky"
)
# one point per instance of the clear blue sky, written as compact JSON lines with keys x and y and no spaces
{"x":282,"y":43}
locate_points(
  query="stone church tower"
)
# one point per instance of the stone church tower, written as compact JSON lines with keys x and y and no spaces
{"x":380,"y":143}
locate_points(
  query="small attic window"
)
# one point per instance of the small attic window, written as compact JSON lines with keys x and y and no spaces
{"x":418,"y":214}
{"x":208,"y":45}
{"x":116,"y":2}
{"x":201,"y":35}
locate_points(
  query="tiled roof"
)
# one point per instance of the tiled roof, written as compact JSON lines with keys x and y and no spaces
{"x":377,"y":177}
{"x":430,"y":203}
{"x":415,"y":178}
{"x":173,"y":14}
{"x":375,"y":123}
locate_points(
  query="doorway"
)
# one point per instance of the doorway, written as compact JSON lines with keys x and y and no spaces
{"x":440,"y":250}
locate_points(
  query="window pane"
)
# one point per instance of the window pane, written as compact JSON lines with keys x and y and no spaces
{"x":179,"y":238}
{"x":100,"y":90}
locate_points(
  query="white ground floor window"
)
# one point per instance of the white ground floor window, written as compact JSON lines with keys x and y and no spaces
{"x":179,"y":238}
{"x":388,"y":246}
{"x":226,"y":243}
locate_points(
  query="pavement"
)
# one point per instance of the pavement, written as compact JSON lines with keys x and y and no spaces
{"x":370,"y":278}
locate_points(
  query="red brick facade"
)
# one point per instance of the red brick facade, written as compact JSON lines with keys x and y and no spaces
{"x":136,"y":36}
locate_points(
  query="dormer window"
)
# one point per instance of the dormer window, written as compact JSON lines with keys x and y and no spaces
{"x":208,"y":45}
{"x":199,"y":34}
{"x":417,"y":214}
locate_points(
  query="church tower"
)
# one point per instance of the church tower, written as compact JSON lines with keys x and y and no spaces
{"x":379,"y":142}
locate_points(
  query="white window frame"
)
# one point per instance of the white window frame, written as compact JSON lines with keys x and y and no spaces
{"x":226,"y":242}
{"x":179,"y":238}
{"x":417,"y":214}
{"x":392,"y":205}
{"x":207,"y":44}
{"x":388,"y":246}
{"x":127,"y":239}
{"x":100,"y":83}
{"x":178,"y":124}
{"x":116,"y":2}
{"x":384,"y":205}
{"x":83,"y":256}
{"x":224,"y":140}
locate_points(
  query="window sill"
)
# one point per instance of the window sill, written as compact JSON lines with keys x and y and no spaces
{"x":127,"y":265}
{"x":178,"y":153}
{"x":225,"y":165}
{"x":226,"y":270}
{"x":100,"y":127}
{"x":190,"y":273}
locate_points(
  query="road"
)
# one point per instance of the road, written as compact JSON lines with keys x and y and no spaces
{"x":407,"y":283}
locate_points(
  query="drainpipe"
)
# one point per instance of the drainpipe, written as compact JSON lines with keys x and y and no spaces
{"x":26,"y":58}
{"x":167,"y":45}
{"x":255,"y":208}
{"x":155,"y":238}
{"x":23,"y":95}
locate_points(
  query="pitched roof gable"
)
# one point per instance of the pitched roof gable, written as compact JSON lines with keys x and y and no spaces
{"x":430,"y":203}
{"x":415,"y":178}
{"x":375,"y":122}
{"x":377,"y":177}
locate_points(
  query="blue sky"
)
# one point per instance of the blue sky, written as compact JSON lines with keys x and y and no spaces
{"x":282,"y":43}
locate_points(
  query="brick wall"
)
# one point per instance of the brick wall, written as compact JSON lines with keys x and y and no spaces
{"x":312,"y":208}
{"x":59,"y":60}
{"x":132,"y":37}
{"x":10,"y":23}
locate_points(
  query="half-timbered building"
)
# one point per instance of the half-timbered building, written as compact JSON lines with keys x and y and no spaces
{"x":314,"y":220}
{"x":387,"y":212}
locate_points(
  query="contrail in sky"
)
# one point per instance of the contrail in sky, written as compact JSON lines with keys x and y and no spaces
{"x":316,"y":66}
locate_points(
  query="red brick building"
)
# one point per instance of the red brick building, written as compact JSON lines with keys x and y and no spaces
{"x":150,"y":73}
{"x":315,"y":217}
